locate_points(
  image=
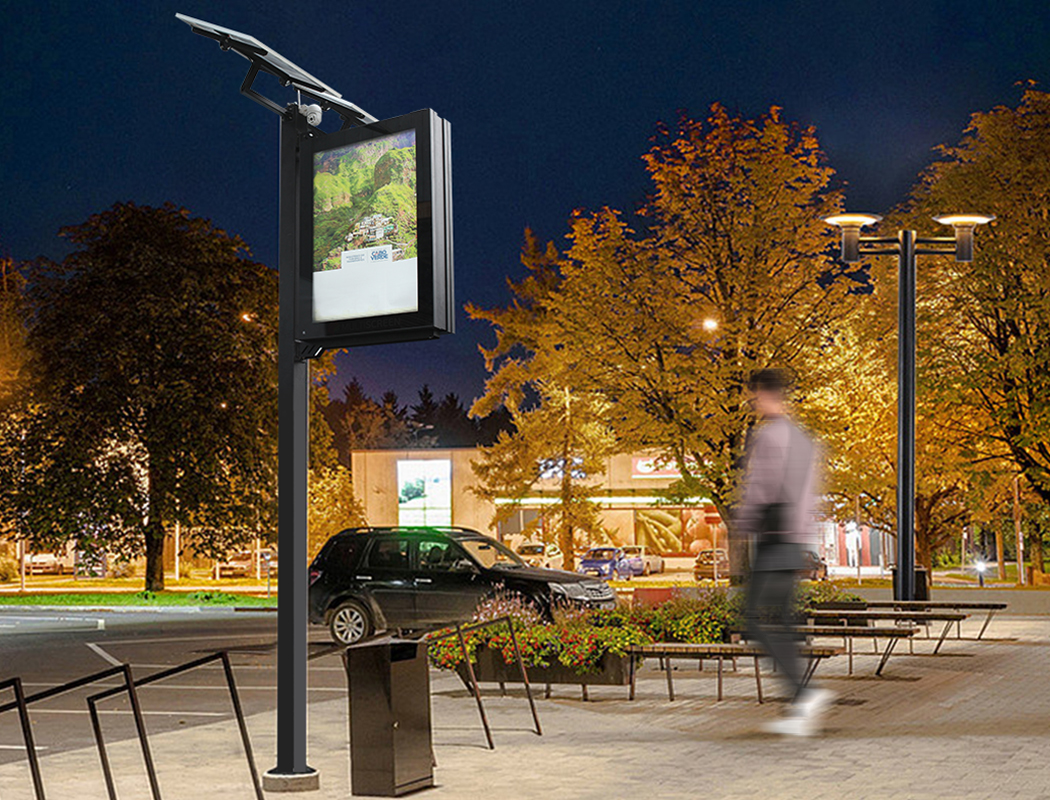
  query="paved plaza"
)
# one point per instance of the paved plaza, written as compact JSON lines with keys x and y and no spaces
{"x":971,"y":722}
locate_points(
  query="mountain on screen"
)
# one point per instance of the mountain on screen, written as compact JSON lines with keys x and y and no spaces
{"x":365,"y":196}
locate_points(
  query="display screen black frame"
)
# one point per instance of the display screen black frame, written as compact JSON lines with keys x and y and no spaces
{"x":435,"y":314}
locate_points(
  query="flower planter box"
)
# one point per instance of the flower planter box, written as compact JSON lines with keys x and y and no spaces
{"x":491,"y":667}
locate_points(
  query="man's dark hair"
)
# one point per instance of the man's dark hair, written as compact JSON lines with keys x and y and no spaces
{"x":775,"y":381}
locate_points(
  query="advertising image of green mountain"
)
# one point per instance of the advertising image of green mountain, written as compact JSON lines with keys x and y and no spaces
{"x":365,"y":196}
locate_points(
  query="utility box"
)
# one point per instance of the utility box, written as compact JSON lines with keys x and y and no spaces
{"x":922,"y":583}
{"x":390,"y":740}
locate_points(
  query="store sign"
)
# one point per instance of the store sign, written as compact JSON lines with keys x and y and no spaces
{"x":642,"y":467}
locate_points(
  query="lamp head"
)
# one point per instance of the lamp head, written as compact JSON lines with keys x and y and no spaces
{"x":851,"y":225}
{"x":964,"y":225}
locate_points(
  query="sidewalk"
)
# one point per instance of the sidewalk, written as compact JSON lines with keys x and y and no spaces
{"x":968,"y":723}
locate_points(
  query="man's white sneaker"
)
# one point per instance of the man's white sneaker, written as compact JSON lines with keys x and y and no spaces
{"x":791,"y":726}
{"x":813,"y":702}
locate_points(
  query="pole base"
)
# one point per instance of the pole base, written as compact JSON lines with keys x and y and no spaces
{"x":291,"y":782}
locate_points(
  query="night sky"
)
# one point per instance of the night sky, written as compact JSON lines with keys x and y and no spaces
{"x":551,"y":104}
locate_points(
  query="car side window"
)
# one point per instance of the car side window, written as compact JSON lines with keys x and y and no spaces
{"x":389,"y":553}
{"x":438,"y":555}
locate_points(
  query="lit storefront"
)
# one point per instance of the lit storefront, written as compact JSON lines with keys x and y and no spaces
{"x":416,"y":487}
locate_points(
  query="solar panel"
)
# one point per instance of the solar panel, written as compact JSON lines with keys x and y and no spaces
{"x":251,"y":48}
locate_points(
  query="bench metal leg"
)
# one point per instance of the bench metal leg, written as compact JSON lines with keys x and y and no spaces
{"x":849,"y":652}
{"x":670,"y":681}
{"x":547,"y":692}
{"x":886,"y":655}
{"x":720,"y":660}
{"x":811,"y":667}
{"x":583,"y":691}
{"x":632,"y":665}
{"x":944,"y":633}
{"x":502,"y":689}
{"x":758,"y":680}
{"x":986,"y":621}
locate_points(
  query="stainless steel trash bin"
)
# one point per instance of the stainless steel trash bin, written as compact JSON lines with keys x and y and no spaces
{"x":390,"y":739}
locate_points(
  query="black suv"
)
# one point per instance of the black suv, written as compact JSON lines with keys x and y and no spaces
{"x":407,"y":578}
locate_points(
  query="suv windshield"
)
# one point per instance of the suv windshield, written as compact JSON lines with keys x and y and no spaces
{"x":490,"y":553}
{"x":602,"y":553}
{"x":632,"y":551}
{"x":531,"y":550}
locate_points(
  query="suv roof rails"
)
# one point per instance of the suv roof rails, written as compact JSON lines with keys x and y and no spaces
{"x":412,"y":528}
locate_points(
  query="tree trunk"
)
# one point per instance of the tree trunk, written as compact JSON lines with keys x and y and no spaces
{"x":1000,"y":552}
{"x":154,"y":538}
{"x":154,"y":558}
{"x":1035,"y":549}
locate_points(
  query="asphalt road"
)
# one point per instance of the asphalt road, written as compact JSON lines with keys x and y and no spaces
{"x":48,"y":648}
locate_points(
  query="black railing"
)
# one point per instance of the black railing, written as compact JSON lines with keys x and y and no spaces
{"x":22,"y":702}
{"x":15,"y":685}
{"x":130,"y":687}
{"x":475,"y":689}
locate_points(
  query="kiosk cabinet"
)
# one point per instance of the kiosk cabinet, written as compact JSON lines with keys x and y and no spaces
{"x":390,"y":741}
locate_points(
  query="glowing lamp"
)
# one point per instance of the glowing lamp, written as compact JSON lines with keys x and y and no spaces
{"x":851,"y":225}
{"x":964,"y":225}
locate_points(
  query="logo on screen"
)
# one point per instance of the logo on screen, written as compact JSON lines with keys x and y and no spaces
{"x":380,"y":255}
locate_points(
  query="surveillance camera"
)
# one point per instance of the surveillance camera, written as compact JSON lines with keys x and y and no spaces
{"x":312,"y":114}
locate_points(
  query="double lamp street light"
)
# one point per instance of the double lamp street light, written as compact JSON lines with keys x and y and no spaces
{"x":906,"y":246}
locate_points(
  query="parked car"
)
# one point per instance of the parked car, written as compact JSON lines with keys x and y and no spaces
{"x":711,"y":564}
{"x":609,"y":563}
{"x":537,"y":554}
{"x":651,"y":563}
{"x":815,"y":568}
{"x":421,"y":578}
{"x":242,"y":564}
{"x":44,"y":564}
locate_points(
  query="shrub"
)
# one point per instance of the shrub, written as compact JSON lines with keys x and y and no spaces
{"x":8,"y":569}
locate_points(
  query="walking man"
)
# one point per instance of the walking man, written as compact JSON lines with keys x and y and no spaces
{"x":777,"y":515}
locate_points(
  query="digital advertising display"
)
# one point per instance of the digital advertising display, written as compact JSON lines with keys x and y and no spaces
{"x":424,"y":492}
{"x":376,"y":234}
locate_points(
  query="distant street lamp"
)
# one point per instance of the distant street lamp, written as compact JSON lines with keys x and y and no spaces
{"x":904,"y":246}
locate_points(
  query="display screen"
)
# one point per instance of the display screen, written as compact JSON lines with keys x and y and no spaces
{"x":424,"y":492}
{"x":365,"y":248}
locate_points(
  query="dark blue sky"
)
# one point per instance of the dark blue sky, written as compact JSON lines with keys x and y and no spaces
{"x":551,"y":103}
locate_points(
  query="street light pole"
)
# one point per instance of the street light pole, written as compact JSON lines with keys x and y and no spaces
{"x":905,"y":588}
{"x":905,"y":245}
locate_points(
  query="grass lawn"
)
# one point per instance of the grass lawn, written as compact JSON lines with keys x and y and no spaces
{"x":199,"y":598}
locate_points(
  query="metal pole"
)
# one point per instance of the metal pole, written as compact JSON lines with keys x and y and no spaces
{"x":178,"y":546}
{"x":293,"y":378}
{"x":1021,"y":577}
{"x":905,"y":587}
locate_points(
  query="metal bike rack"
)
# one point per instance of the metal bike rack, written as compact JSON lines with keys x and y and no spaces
{"x":130,"y":687}
{"x":22,"y":702}
{"x":15,"y":684}
{"x":474,"y":687}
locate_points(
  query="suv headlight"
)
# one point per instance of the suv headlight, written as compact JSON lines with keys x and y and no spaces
{"x":574,"y":591}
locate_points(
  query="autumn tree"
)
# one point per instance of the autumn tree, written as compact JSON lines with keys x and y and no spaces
{"x":333,"y":505}
{"x":989,"y":342}
{"x":558,"y":450}
{"x":13,"y":395}
{"x":152,"y":346}
{"x":728,"y":268}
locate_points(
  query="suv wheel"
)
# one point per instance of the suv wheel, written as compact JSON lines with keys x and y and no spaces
{"x":350,"y":623}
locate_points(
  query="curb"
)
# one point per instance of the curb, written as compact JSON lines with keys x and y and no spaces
{"x":5,"y":608}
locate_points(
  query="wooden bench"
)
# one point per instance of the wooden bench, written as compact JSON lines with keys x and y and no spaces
{"x":849,"y":632}
{"x":937,"y":605}
{"x":857,"y":617}
{"x":667,"y":651}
